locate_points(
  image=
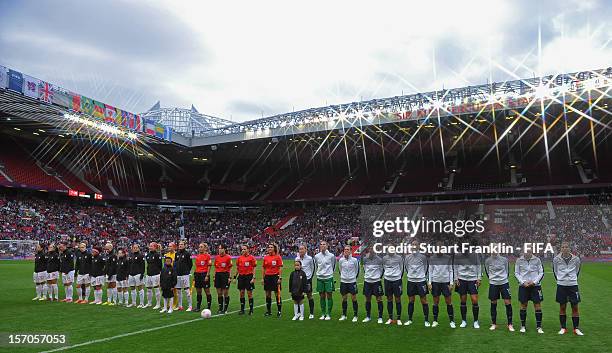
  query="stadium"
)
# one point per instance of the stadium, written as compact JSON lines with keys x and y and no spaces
{"x":528,"y":157}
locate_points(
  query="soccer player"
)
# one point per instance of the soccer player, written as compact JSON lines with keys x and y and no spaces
{"x":201,"y":276}
{"x":97,"y":274}
{"x":417,"y":265}
{"x":40,"y":273}
{"x":168,"y":281}
{"x":136,"y":275}
{"x":82,"y":269}
{"x":66,"y":258}
{"x":154,"y":266}
{"x":529,"y":272}
{"x":497,"y":269}
{"x":372,"y":286}
{"x":110,"y":271}
{"x":298,"y":281}
{"x":468,"y":273}
{"x":123,"y":268}
{"x":182,"y":266}
{"x":325,"y":262}
{"x":223,"y":265}
{"x":245,"y":271}
{"x":53,"y":265}
{"x":349,"y":270}
{"x":441,"y":283}
{"x":566,"y":268}
{"x":272,"y":266}
{"x":393,"y":271}
{"x":308,"y":266}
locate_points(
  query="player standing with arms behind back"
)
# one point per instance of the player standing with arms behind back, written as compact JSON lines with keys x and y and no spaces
{"x":566,"y":268}
{"x":272,"y":266}
{"x":136,"y":276}
{"x":53,"y":266}
{"x":223,"y":265}
{"x":308,"y":266}
{"x":245,"y":273}
{"x":154,"y":266}
{"x":183,"y":265}
{"x":349,"y":270}
{"x":529,"y":272}
{"x":40,"y":273}
{"x":67,"y":270}
{"x":497,"y":269}
{"x":468,"y":273}
{"x":441,"y":283}
{"x":372,"y":286}
{"x":201,"y":276}
{"x":326,"y":264}
{"x":417,"y":265}
{"x":393,"y":265}
{"x":82,"y":269}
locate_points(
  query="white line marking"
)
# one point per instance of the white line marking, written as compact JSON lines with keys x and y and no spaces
{"x":87,"y":343}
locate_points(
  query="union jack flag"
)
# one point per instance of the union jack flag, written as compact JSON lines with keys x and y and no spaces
{"x":46,"y":92}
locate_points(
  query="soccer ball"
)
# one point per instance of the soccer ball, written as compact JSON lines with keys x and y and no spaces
{"x":206,"y":313}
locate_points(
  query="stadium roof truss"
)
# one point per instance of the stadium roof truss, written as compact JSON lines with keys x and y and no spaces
{"x":187,"y":122}
{"x":556,"y":89}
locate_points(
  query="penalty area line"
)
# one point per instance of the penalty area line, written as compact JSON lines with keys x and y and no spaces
{"x":100,"y":340}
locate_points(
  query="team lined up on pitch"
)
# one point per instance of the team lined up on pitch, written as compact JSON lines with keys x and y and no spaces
{"x":167,"y":280}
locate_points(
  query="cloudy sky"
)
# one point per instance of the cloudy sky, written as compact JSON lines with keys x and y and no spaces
{"x":245,"y":60}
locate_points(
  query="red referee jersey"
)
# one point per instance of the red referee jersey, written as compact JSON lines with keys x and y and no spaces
{"x":246,"y":265}
{"x":202,"y":263}
{"x":272,"y":264}
{"x":223,"y":263}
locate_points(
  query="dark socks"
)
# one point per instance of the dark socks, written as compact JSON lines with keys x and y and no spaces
{"x":523,"y":316}
{"x":410,"y":310}
{"x":355,"y":307}
{"x":380,"y":309}
{"x":575,"y":321}
{"x":251,"y":304}
{"x":426,"y":312}
{"x":398,"y":308}
{"x":344,"y":307}
{"x":199,"y":298}
{"x":269,"y":305}
{"x":451,"y":312}
{"x":279,"y":305}
{"x":463,"y":311}
{"x":226,"y":303}
{"x":509,"y":313}
{"x":368,"y":308}
{"x":435,"y":310}
{"x":390,"y":309}
{"x":538,"y":315}
{"x":563,"y":321}
{"x":242,"y":304}
{"x":311,"y":305}
{"x":220,"y":299}
{"x":475,"y":310}
{"x":209,"y":300}
{"x":493,"y":313}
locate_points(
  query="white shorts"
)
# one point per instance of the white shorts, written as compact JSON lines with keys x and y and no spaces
{"x":68,"y":277}
{"x":97,"y":281}
{"x":134,"y":281}
{"x":83,"y":279}
{"x":52,"y":275}
{"x":111,"y":280}
{"x":122,"y":284}
{"x":152,"y":281}
{"x":182,"y":281}
{"x":40,"y":277}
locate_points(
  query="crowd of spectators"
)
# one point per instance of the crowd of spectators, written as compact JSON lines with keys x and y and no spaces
{"x":26,"y":217}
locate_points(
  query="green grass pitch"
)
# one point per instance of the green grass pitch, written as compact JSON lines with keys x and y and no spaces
{"x":85,"y":323}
